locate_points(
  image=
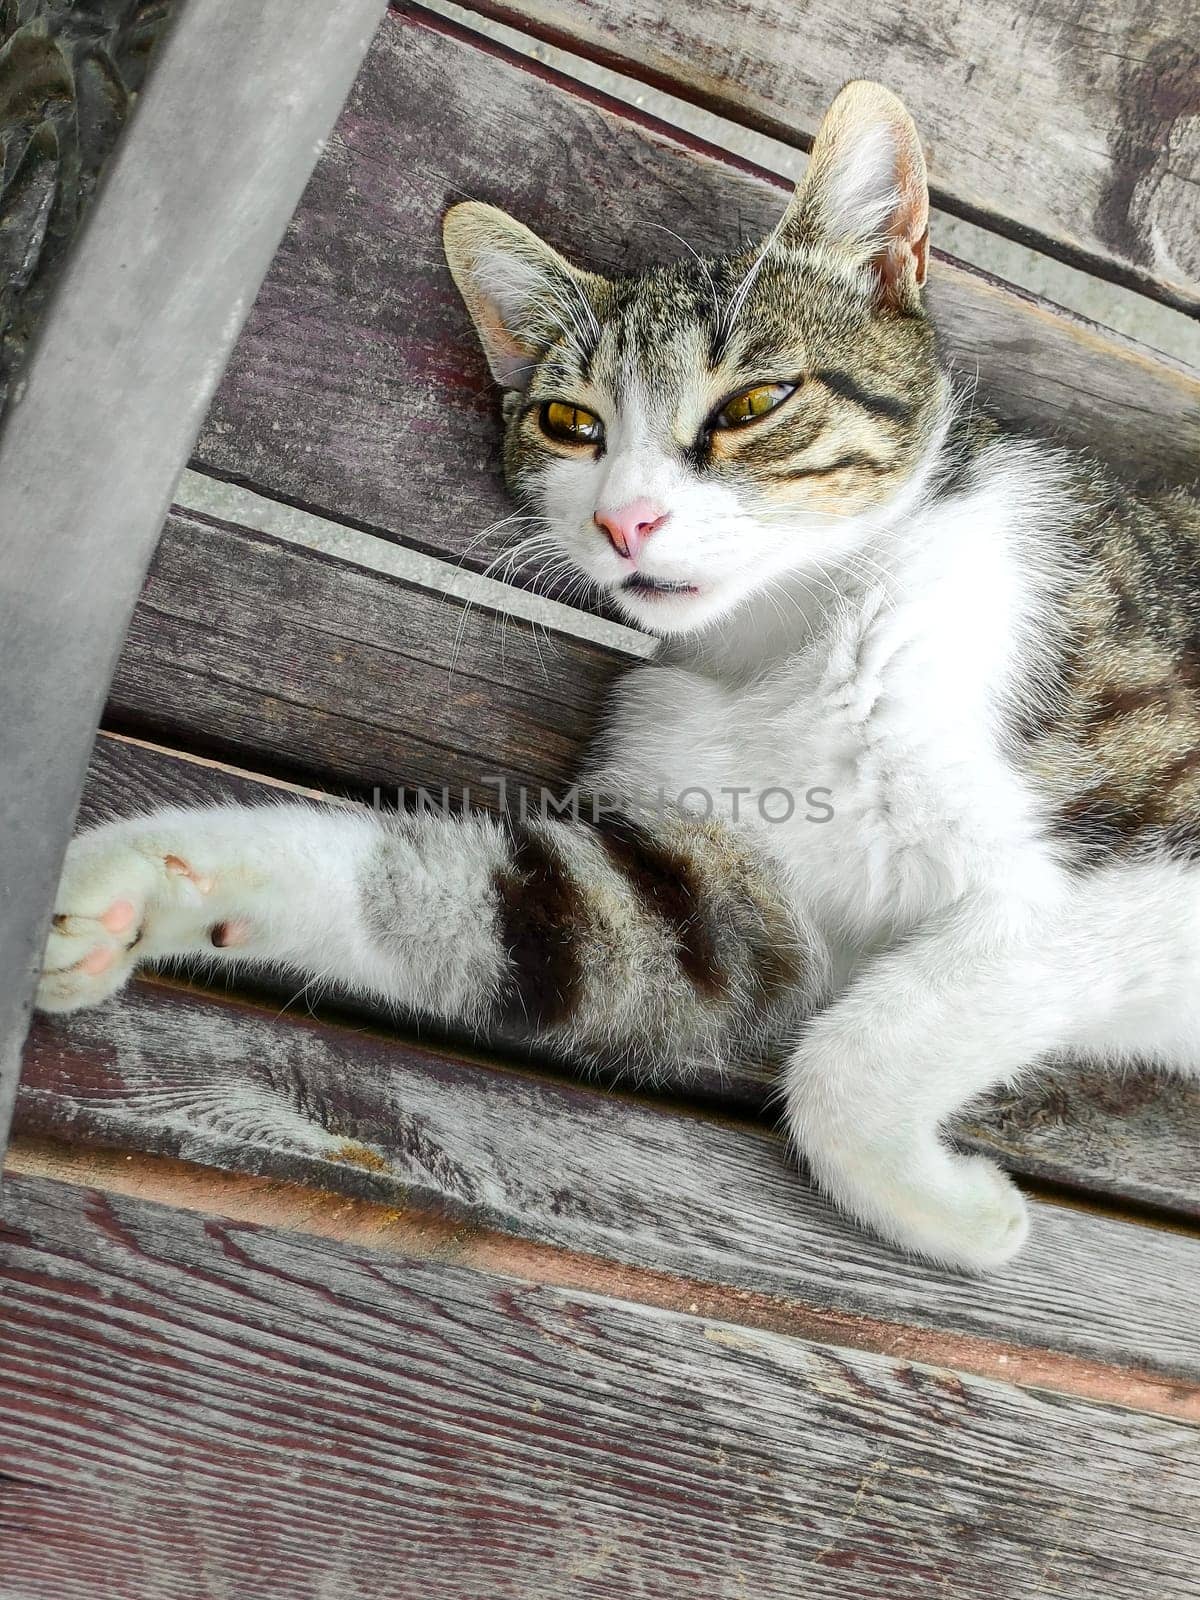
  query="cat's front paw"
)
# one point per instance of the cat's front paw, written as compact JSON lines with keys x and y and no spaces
{"x":123,"y":898}
{"x":959,"y":1211}
{"x":971,"y":1216}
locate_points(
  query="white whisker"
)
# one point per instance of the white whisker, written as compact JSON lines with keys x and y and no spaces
{"x":738,"y":300}
{"x":704,"y":267}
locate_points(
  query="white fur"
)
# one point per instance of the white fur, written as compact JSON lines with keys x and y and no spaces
{"x":860,"y":192}
{"x":873,"y":658}
{"x":963,"y":949}
{"x":294,"y":874}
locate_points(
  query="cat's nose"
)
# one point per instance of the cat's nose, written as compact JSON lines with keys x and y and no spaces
{"x":628,"y":528}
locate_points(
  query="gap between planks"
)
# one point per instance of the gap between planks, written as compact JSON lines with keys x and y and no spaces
{"x":676,"y":1103}
{"x":408,"y":1231}
{"x":978,"y":238}
{"x":209,"y":495}
{"x":980,"y":232}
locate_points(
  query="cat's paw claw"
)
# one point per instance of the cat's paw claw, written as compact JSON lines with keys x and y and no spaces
{"x":82,"y":971}
{"x":199,"y":883}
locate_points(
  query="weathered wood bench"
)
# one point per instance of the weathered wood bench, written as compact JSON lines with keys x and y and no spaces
{"x":293,"y":1305}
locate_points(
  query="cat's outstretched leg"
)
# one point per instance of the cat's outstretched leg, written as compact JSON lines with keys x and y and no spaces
{"x":276,"y":884}
{"x":612,"y":939}
{"x":970,"y":1003}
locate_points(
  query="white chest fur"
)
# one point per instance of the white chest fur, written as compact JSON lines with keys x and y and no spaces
{"x":870,"y":759}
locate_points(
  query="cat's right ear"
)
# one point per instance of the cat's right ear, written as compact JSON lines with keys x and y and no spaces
{"x":866,"y":192}
{"x":516,"y":287}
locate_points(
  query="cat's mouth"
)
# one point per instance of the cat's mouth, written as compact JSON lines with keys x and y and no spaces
{"x":640,"y":583}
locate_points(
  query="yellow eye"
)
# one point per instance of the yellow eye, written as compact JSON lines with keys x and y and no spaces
{"x":752,"y":404}
{"x":571,"y":424}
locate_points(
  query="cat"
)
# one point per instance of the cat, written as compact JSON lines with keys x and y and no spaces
{"x":985,"y":649}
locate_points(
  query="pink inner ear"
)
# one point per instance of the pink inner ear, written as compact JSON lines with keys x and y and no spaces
{"x":903,"y":265}
{"x":900,"y":268}
{"x":509,"y":363}
{"x":910,"y":220}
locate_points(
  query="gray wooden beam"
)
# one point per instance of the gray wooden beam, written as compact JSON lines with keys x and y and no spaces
{"x":190,"y":213}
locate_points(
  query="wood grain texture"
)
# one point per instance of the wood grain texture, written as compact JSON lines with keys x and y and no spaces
{"x":1130,"y":1136}
{"x":148,"y":303}
{"x":1072,"y":127}
{"x":1133,"y":1137}
{"x":193,"y":1407}
{"x":237,"y":1086}
{"x":248,"y":647}
{"x":358,"y":389}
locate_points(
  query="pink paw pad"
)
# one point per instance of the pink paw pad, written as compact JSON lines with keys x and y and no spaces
{"x":119,"y":917}
{"x":97,"y":961}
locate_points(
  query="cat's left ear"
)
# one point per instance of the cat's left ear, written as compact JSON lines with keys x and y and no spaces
{"x":516,"y":287}
{"x":866,"y":191}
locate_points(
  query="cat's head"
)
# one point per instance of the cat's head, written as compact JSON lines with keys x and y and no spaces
{"x":693,"y":434}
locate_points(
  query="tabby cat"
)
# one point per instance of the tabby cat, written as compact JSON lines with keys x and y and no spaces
{"x":986,"y":650}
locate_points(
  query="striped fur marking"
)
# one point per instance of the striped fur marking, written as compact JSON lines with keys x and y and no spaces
{"x":667,"y":885}
{"x":879,"y":405}
{"x":541,"y":917}
{"x":853,"y":462}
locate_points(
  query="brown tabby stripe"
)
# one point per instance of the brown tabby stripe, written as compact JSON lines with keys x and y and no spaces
{"x":1095,"y":824}
{"x":879,"y":405}
{"x":861,"y":463}
{"x":1182,"y":840}
{"x":777,"y":961}
{"x":666,"y":883}
{"x":787,"y":433}
{"x":1098,"y":827}
{"x":541,"y":915}
{"x":1115,"y":701}
{"x":1102,"y":822}
{"x":1176,"y":771}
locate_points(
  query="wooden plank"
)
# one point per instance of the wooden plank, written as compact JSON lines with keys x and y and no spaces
{"x":1129,"y":1137}
{"x":192,"y":1406}
{"x":150,"y":300}
{"x":1070,"y":127}
{"x":358,"y":389}
{"x":248,"y":647}
{"x":612,"y":1177}
{"x":128,"y":775}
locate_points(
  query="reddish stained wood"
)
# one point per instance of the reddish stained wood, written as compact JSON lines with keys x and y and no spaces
{"x":191,"y":1406}
{"x":1071,"y":126}
{"x":358,"y":389}
{"x":1131,"y":1137}
{"x":565,"y":1166}
{"x":406,"y":1230}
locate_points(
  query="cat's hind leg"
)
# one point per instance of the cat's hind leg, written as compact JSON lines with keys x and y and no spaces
{"x":1153,"y":1015}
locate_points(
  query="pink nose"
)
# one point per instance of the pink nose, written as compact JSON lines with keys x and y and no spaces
{"x":630,"y":526}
